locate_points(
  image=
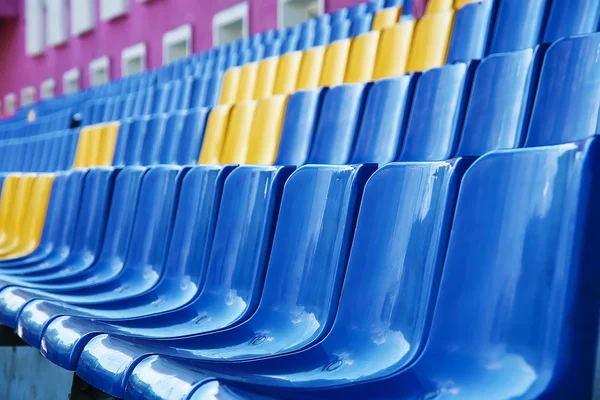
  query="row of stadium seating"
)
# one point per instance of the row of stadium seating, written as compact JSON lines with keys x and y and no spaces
{"x":393,"y":236}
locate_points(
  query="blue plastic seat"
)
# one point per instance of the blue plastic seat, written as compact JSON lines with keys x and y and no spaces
{"x":360,"y":24}
{"x":501,"y":97}
{"x":142,"y":270}
{"x":335,"y":134}
{"x":339,"y":30}
{"x":184,"y":132}
{"x":568,"y":18}
{"x":437,"y":114}
{"x":471,"y":31}
{"x":384,"y":120}
{"x":391,"y":253}
{"x":519,"y":25}
{"x":301,"y":118}
{"x":567,"y":102}
{"x":229,"y":289}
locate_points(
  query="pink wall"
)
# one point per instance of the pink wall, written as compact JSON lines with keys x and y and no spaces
{"x":145,"y":22}
{"x":9,"y":8}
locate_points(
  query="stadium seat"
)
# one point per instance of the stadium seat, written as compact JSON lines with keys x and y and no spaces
{"x":470,"y":34}
{"x":214,"y":137}
{"x":394,"y":49}
{"x":439,"y":6}
{"x":310,"y":68}
{"x":387,"y":205}
{"x":430,"y":41}
{"x":265,"y":78}
{"x":248,"y":77}
{"x":567,"y":19}
{"x":230,"y":86}
{"x":265,"y":131}
{"x":384,"y":119}
{"x":235,"y":143}
{"x":438,"y":107}
{"x":334,"y":63}
{"x":518,"y":25}
{"x":361,"y":58}
{"x":386,"y":17}
{"x":287,"y":73}
{"x":301,"y":117}
{"x":335,"y":134}
{"x":245,"y":227}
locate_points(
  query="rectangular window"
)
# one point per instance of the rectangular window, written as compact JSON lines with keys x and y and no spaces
{"x":230,"y":24}
{"x":27,"y":96}
{"x":10,"y":103}
{"x":34,"y":27}
{"x":177,"y":44}
{"x":100,"y":71}
{"x":47,"y":89}
{"x":56,"y":22}
{"x":82,"y":16}
{"x":110,"y":9}
{"x":133,"y":59}
{"x":71,"y":81}
{"x":294,"y":12}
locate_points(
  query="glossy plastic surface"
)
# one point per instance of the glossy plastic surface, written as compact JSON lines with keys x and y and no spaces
{"x":430,"y":41}
{"x":470,"y":33}
{"x":334,"y":63}
{"x":361,"y":58}
{"x":386,"y":18}
{"x":394,"y":49}
{"x":567,"y":103}
{"x":518,"y":25}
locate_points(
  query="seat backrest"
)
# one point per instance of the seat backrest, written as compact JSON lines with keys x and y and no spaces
{"x":336,"y":130}
{"x":194,"y":225}
{"x":152,"y":226}
{"x":518,"y":25}
{"x":430,"y":41}
{"x":384,"y":120}
{"x":436,"y":118}
{"x":517,"y":281}
{"x":247,"y":83}
{"x":235,"y":145}
{"x":152,"y":140}
{"x":310,"y":68}
{"x":214,"y":137}
{"x":394,"y":49}
{"x":438,"y":6}
{"x":95,"y":203}
{"x":61,"y":228}
{"x":193,"y":125}
{"x":470,"y":34}
{"x":123,"y":207}
{"x":568,"y":18}
{"x":229,"y":88}
{"x":360,"y":24}
{"x":287,"y":73}
{"x":299,"y":123}
{"x":386,"y":17}
{"x":334,"y":63}
{"x":244,"y":234}
{"x":340,"y":29}
{"x":361,"y":58}
{"x":397,"y":254}
{"x":265,"y":79}
{"x":496,"y":115}
{"x":265,"y":131}
{"x":567,"y":102}
{"x":317,"y":218}
{"x":107,"y":142}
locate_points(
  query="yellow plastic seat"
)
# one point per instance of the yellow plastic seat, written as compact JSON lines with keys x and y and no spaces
{"x":287,"y":73}
{"x":458,"y":4}
{"x":229,"y":89}
{"x":334,"y":63}
{"x":108,"y":134}
{"x":88,"y":147}
{"x":214,"y":135}
{"x":247,"y":82}
{"x":386,"y":17}
{"x":266,"y":130}
{"x":235,"y":147}
{"x":265,"y":80}
{"x":394,"y":50}
{"x":361,"y":59}
{"x":30,"y":231}
{"x":9,"y":188}
{"x":438,"y":6}
{"x":310,"y":68}
{"x":17,"y":213}
{"x":430,"y":42}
